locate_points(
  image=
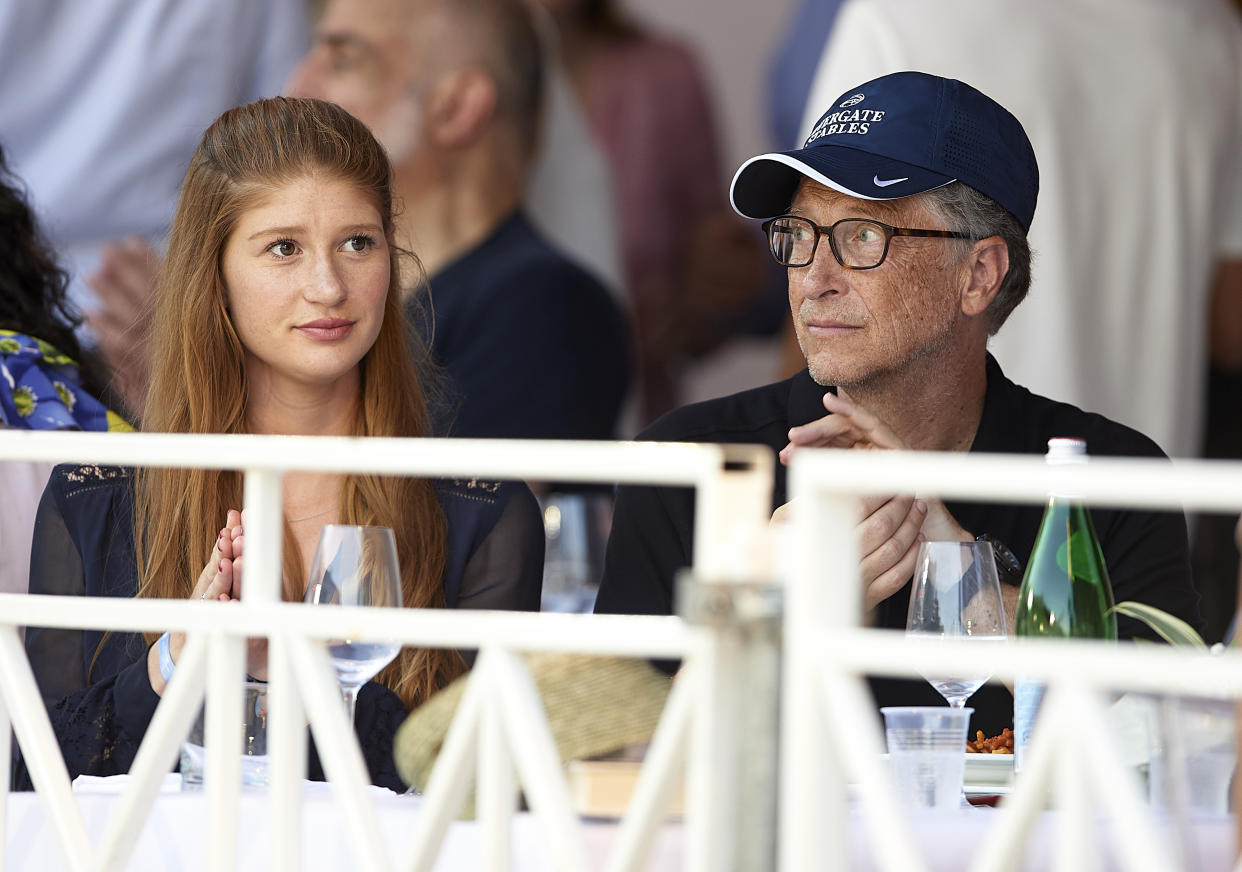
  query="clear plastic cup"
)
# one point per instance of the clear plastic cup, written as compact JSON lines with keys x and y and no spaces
{"x":927,"y":750}
{"x":1194,"y":742}
{"x":254,"y":763}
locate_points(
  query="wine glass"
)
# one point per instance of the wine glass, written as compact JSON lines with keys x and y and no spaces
{"x":575,"y":527}
{"x":356,"y":566}
{"x":956,"y":594}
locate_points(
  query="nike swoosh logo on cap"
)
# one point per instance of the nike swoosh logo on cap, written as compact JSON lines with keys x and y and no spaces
{"x":886,"y":182}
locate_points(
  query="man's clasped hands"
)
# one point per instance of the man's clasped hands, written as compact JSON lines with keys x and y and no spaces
{"x":890,"y":528}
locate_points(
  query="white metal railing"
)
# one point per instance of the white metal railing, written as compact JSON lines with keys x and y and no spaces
{"x":827,"y":656}
{"x":830,"y":735}
{"x":501,"y":712}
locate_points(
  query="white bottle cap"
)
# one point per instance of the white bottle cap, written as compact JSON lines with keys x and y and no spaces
{"x":1067,"y":450}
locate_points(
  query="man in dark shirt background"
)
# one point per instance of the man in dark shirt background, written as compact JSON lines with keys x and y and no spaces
{"x":533,"y":345}
{"x":902,"y":223}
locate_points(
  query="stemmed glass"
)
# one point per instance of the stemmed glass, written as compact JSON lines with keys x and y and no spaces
{"x":956,"y":594}
{"x":356,"y":566}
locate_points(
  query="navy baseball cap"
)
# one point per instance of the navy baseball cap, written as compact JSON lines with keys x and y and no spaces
{"x":900,"y":134}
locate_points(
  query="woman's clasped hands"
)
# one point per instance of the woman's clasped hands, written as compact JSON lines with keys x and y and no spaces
{"x":221,"y":577}
{"x":220,"y":581}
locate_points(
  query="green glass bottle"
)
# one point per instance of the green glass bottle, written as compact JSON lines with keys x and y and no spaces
{"x":1065,"y":591}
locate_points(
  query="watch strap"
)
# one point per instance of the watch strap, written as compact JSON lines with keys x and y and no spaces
{"x":1008,"y":567}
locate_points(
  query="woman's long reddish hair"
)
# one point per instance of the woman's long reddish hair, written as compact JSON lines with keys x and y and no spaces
{"x":198,"y":375}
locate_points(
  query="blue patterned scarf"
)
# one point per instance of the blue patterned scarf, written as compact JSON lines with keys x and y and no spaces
{"x":41,"y":390}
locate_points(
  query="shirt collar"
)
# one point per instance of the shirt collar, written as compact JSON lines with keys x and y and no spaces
{"x":806,"y":405}
{"x":806,"y":399}
{"x":998,"y":412}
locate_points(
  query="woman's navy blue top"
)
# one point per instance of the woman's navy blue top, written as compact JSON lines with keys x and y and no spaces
{"x":100,"y":699}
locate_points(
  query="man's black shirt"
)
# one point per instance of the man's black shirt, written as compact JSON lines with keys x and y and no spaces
{"x":1146,"y":552}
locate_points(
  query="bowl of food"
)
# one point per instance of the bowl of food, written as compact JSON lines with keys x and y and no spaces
{"x":989,"y":762}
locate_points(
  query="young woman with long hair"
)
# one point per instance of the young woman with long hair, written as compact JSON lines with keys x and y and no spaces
{"x":277,"y":312}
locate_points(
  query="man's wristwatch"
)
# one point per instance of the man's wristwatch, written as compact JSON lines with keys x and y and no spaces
{"x":1008,"y":566}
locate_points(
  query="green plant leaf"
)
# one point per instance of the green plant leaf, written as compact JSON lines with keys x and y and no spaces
{"x":1172,"y":629}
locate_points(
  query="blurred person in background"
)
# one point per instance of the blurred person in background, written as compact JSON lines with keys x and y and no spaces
{"x":47,"y":384}
{"x":103,"y":103}
{"x":278,"y":312}
{"x":692,"y":271}
{"x":791,"y":71}
{"x":533,"y":345}
{"x":1216,"y":551}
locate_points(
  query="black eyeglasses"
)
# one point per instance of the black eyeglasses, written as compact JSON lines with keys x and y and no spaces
{"x":857,"y":243}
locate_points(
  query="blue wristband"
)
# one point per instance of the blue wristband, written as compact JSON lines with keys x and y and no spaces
{"x":166,"y":662}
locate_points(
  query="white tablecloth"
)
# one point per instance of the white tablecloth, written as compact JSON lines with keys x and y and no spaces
{"x":175,"y":836}
{"x":947,"y":843}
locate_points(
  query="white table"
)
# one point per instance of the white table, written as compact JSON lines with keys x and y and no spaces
{"x":175,"y":837}
{"x":946,"y":843}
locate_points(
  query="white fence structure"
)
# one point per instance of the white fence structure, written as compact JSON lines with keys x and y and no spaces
{"x":829,"y":731}
{"x":499,"y":714}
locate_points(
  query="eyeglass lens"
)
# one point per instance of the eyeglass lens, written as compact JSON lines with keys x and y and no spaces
{"x":859,"y":243}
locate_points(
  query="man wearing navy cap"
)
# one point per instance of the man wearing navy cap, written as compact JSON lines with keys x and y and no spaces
{"x":902,"y":223}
